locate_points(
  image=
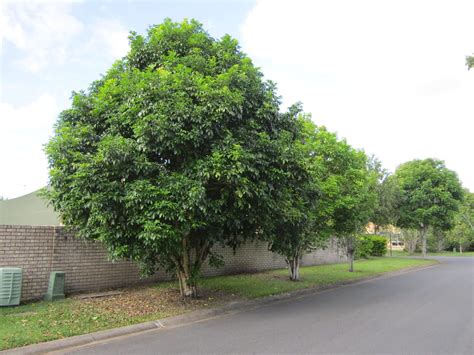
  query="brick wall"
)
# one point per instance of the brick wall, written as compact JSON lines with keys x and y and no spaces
{"x":42,"y":249}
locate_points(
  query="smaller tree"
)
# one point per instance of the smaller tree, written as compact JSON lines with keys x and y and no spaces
{"x":411,"y":238}
{"x":429,"y":196}
{"x":385,"y":210}
{"x":355,"y":201}
{"x":303,"y":196}
{"x":437,"y":239}
{"x":470,"y":62}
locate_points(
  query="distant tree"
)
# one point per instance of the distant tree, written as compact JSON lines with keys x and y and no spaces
{"x":171,"y":152}
{"x":470,"y":62}
{"x":429,"y":196}
{"x":385,"y":212}
{"x":436,"y":239}
{"x":379,"y":217}
{"x":462,"y":234}
{"x":411,"y":238}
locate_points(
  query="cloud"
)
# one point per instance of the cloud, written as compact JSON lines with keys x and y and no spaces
{"x":43,"y":31}
{"x":390,"y":76}
{"x":23,"y":132}
{"x":48,"y":33}
{"x":110,"y":35}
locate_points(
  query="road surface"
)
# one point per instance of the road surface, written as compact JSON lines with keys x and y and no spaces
{"x":428,"y":311}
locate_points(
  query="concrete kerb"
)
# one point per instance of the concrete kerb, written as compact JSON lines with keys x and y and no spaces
{"x":192,"y":317}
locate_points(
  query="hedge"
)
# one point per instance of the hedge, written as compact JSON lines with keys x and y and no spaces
{"x":370,"y":245}
{"x":379,"y":245}
{"x":364,"y":247}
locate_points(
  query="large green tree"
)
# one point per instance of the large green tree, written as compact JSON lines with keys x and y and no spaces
{"x":429,"y":196}
{"x":170,"y":152}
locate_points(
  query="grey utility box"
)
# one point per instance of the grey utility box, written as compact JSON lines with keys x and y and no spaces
{"x":10,"y":286}
{"x":55,"y":286}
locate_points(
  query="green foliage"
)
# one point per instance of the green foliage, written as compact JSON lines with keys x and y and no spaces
{"x":364,"y":247}
{"x":411,"y":239}
{"x":356,"y":196}
{"x":379,"y":245}
{"x":329,"y":190}
{"x":385,"y":211}
{"x":436,"y":240}
{"x":370,"y":245}
{"x":462,"y":234}
{"x":170,"y":152}
{"x":470,"y":62}
{"x":306,"y":200}
{"x":429,"y":194}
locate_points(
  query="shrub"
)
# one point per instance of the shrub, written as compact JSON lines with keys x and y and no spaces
{"x":379,"y":245}
{"x":370,"y":245}
{"x":364,"y":247}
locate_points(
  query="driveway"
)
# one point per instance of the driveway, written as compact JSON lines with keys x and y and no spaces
{"x":428,"y":311}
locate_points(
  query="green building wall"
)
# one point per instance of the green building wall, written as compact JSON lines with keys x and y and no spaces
{"x":28,"y":210}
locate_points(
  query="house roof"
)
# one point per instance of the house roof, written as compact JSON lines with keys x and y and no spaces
{"x":30,"y":210}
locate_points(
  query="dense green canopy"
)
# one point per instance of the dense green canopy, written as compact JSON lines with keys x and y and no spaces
{"x":332,"y":193}
{"x":170,"y":152}
{"x":462,"y":233}
{"x":429,"y":196}
{"x":470,"y":62}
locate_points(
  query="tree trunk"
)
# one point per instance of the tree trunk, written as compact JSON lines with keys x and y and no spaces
{"x":460,"y":248}
{"x":351,"y":262}
{"x":424,"y":247}
{"x":391,"y":243}
{"x":423,"y":238}
{"x":294,"y":268}
{"x":350,"y":245}
{"x":187,"y":286}
{"x":185,"y":270}
{"x":439,"y":242}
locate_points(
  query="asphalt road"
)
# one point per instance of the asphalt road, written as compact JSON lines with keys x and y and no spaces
{"x":428,"y":311}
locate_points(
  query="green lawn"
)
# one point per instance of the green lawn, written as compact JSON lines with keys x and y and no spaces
{"x":43,"y":321}
{"x":444,"y":253}
{"x":276,"y":281}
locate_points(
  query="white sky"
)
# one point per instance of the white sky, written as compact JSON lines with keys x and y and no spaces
{"x":47,"y":51}
{"x":389,"y":76}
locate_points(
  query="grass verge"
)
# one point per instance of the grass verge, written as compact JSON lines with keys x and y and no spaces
{"x":397,"y":253}
{"x":276,"y":281}
{"x":43,"y":321}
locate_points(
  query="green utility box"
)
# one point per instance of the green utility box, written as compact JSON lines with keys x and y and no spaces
{"x":10,"y":286}
{"x":55,"y":286}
